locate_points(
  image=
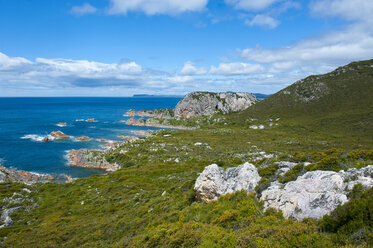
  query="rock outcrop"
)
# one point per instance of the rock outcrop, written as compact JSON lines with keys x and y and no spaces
{"x":215,"y":181}
{"x":59,"y":135}
{"x":130,"y":112}
{"x":206,"y":103}
{"x":83,"y":138}
{"x":315,"y":193}
{"x":157,"y":113}
{"x":143,"y":133}
{"x":90,"y":159}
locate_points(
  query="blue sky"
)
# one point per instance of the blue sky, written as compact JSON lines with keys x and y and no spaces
{"x":125,"y":47}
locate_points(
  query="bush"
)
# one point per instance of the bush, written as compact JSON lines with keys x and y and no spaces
{"x":353,"y":220}
{"x":292,"y":174}
{"x":361,"y":154}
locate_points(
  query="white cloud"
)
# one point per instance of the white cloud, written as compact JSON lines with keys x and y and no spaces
{"x":331,"y":49}
{"x":352,"y":10}
{"x":7,"y":63}
{"x":85,"y":9}
{"x":152,"y":7}
{"x":263,"y":21}
{"x":251,"y":4}
{"x":190,"y":69}
{"x":236,"y":69}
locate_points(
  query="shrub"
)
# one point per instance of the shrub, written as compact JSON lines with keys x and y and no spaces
{"x":292,"y":174}
{"x":361,"y":154}
{"x":353,"y":220}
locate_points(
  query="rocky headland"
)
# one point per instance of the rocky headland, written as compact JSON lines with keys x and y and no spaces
{"x":207,"y":103}
{"x":193,"y":105}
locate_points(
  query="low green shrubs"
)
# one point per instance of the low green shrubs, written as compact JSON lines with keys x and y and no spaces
{"x":292,"y":174}
{"x":352,"y":221}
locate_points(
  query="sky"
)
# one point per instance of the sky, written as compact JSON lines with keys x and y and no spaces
{"x":172,"y":47}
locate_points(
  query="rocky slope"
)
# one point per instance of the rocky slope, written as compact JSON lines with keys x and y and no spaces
{"x":206,"y":103}
{"x":312,"y":195}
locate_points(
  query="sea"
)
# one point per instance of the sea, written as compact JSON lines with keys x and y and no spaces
{"x":23,"y":121}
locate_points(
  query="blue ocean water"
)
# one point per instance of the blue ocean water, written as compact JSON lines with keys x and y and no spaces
{"x":22,"y":117}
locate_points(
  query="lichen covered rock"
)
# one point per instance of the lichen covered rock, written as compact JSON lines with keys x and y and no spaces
{"x":315,"y":193}
{"x":215,"y":181}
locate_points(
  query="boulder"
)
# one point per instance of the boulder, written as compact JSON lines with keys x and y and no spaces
{"x":207,"y":103}
{"x":134,"y":122}
{"x":215,"y":181}
{"x":59,"y":135}
{"x":91,"y":120}
{"x":130,"y":112}
{"x":62,"y":124}
{"x":316,"y":193}
{"x":83,"y":138}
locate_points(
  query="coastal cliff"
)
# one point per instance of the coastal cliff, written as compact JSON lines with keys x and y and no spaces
{"x":207,"y":103}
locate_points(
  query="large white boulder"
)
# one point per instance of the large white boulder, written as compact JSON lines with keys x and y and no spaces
{"x":215,"y":181}
{"x":315,"y":193}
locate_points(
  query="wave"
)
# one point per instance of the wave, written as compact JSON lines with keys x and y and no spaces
{"x":38,"y":138}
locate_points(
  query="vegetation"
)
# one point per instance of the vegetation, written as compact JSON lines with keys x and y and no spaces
{"x":150,"y":202}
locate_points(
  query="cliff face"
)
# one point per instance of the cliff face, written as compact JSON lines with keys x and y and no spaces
{"x":206,"y":103}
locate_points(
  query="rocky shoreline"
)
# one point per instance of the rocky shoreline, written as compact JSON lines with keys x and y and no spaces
{"x":154,"y":123}
{"x":90,"y":159}
{"x":10,"y":175}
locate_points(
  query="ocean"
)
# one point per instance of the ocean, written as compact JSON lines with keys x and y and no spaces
{"x":23,"y":120}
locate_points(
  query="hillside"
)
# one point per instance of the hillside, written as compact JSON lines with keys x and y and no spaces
{"x":336,"y":103}
{"x":322,"y":123}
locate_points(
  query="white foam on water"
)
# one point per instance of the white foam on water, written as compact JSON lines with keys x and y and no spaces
{"x":38,"y":138}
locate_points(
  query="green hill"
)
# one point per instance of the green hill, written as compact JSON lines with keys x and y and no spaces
{"x":336,"y":103}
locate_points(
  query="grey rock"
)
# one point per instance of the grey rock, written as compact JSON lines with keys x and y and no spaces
{"x":5,"y":216}
{"x":315,"y":193}
{"x":214,"y":181}
{"x":206,"y":103}
{"x":284,"y":166}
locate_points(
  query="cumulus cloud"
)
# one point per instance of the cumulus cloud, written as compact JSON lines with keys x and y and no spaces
{"x":84,"y":9}
{"x":263,"y":21}
{"x":7,"y":63}
{"x":251,"y":4}
{"x":190,"y":69}
{"x":64,"y":72}
{"x":319,"y":53}
{"x":151,"y":7}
